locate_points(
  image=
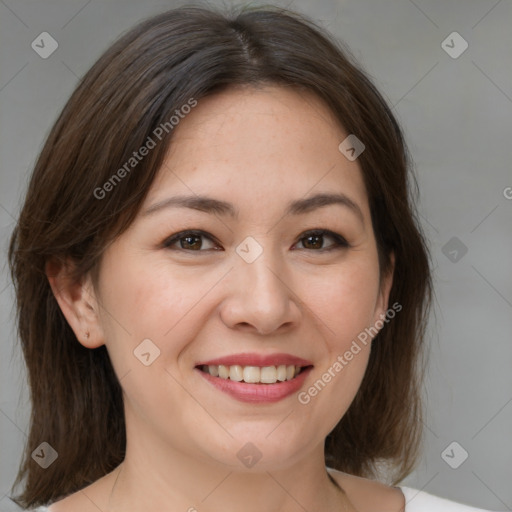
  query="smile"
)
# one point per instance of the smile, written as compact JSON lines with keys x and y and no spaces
{"x":253,"y":374}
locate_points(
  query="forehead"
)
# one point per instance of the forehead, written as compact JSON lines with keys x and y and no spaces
{"x":259,"y":145}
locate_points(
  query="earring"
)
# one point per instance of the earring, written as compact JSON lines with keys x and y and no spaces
{"x":87,"y":334}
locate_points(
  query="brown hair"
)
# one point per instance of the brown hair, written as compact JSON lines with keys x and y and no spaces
{"x":135,"y":86}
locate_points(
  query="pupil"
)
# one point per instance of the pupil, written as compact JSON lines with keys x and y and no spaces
{"x":191,"y":244}
{"x":317,"y":237}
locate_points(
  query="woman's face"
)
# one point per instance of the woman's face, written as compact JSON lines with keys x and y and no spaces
{"x":253,"y":284}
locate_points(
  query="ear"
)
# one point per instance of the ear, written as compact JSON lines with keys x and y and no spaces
{"x":386,"y":282}
{"x":77,"y":301}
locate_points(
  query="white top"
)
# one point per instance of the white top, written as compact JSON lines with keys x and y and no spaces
{"x":421,"y":501}
{"x":415,"y":501}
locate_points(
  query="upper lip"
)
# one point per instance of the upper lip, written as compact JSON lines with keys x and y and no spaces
{"x":253,"y":359}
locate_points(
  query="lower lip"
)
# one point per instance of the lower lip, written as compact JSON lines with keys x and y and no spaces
{"x":258,"y":393}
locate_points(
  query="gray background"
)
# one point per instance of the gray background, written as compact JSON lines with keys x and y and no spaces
{"x":456,"y":113}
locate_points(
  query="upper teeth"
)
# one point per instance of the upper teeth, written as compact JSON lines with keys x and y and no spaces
{"x":253,"y":374}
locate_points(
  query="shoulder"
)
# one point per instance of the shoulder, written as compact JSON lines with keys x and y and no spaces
{"x":77,"y":502}
{"x":367,"y":495}
{"x":91,"y":498}
{"x":421,"y":501}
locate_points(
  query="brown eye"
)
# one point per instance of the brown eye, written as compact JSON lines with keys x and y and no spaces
{"x":314,"y":240}
{"x":189,"y":241}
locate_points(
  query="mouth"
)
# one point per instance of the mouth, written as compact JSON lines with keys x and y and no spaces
{"x":262,"y":375}
{"x":255,"y":377}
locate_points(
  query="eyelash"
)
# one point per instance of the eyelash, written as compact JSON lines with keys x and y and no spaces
{"x":339,"y":241}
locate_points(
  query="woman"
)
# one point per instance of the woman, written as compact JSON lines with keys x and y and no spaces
{"x":222,"y":288}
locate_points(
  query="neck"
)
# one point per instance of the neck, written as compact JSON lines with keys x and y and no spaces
{"x":172,"y":480}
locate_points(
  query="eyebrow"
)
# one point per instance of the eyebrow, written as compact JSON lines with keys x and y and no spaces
{"x":216,"y":206}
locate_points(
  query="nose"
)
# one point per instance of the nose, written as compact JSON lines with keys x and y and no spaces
{"x":260,"y":297}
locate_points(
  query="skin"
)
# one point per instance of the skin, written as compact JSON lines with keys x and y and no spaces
{"x":258,"y":149}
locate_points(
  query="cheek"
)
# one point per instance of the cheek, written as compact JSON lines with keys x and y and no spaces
{"x":344,"y":301}
{"x":344,"y":306}
{"x":142,"y":302}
